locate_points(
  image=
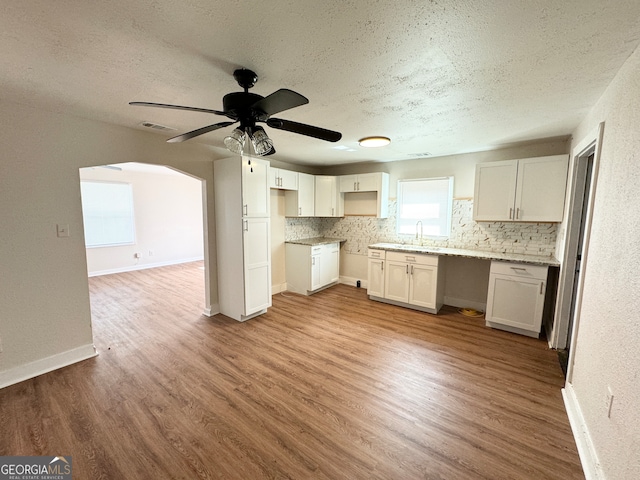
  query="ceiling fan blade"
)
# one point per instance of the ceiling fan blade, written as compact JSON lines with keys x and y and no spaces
{"x":303,"y":129}
{"x":200,"y":131}
{"x":175,"y":107}
{"x":279,"y":101}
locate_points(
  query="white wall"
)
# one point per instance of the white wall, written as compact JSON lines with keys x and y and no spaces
{"x":607,"y":343}
{"x":44,"y":297}
{"x":168,"y":220}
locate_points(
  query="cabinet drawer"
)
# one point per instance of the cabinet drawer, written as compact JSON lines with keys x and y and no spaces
{"x":376,"y":254}
{"x":519,"y":270}
{"x":415,"y":258}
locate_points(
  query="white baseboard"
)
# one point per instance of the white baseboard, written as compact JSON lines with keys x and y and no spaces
{"x":46,"y":365}
{"x":211,"y":310}
{"x":275,"y":289}
{"x":133,"y":268}
{"x":353,"y":281}
{"x":586,"y":450}
{"x":462,"y":303}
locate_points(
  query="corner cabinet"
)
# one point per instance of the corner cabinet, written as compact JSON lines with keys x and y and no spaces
{"x":515,"y":302}
{"x":300,"y":202}
{"x":526,"y":190}
{"x":327,"y":197}
{"x":243,"y":237}
{"x":310,"y":268}
{"x":407,"y":280}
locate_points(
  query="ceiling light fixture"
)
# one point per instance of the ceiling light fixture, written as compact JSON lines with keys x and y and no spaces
{"x":235,"y":141}
{"x":262,"y":144}
{"x":372,"y":142}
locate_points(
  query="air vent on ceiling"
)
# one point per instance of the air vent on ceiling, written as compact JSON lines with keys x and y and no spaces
{"x":155,"y":126}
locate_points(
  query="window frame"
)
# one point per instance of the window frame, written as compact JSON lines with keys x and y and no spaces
{"x":448,"y":209}
{"x":130,"y":238}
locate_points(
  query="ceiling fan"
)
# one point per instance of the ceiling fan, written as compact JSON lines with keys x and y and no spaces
{"x":249,"y":109}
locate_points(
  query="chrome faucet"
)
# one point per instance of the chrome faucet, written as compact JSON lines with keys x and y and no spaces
{"x":419,"y":222}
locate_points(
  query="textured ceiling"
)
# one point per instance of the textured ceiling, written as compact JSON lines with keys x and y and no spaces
{"x":441,"y":77}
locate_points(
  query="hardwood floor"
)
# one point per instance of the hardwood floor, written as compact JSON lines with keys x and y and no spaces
{"x":331,"y":386}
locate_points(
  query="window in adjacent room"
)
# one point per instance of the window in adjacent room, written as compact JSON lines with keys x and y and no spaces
{"x":426,"y":200}
{"x":107,"y":209}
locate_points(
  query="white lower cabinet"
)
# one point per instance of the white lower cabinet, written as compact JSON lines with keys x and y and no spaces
{"x":310,"y":268}
{"x":409,"y":280}
{"x":375,"y":282}
{"x":516,"y":297}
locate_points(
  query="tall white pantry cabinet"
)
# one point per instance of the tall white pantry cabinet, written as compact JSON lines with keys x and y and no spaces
{"x":241,"y":187}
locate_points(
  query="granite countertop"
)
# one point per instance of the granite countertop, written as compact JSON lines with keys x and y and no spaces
{"x":316,"y":241}
{"x":459,"y":252}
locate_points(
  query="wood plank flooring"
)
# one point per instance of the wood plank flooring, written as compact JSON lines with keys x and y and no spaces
{"x":331,"y":386}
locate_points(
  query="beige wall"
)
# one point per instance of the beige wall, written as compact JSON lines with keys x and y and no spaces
{"x":608,"y":336}
{"x":44,"y":297}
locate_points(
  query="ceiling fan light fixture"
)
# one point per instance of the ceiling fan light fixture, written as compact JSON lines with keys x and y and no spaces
{"x":373,"y":142}
{"x":262,"y":144}
{"x":235,"y":141}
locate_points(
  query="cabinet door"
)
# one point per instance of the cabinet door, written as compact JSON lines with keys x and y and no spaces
{"x":255,"y":188}
{"x":288,"y":180}
{"x":515,"y":302}
{"x":396,"y":281}
{"x":348,"y":183}
{"x":495,"y":191}
{"x":316,"y":269}
{"x":541,"y":189}
{"x":330,"y":263}
{"x":274,"y":178}
{"x":306,"y":194}
{"x":257,"y":264}
{"x":423,"y":282}
{"x":375,"y":285}
{"x":368,"y":182}
{"x":326,"y":196}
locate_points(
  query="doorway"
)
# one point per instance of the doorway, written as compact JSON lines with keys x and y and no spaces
{"x":582,"y":186}
{"x":169,"y":221}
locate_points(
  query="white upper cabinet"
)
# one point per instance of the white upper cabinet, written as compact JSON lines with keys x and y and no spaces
{"x":255,"y":188}
{"x":527,"y":190}
{"x":364,"y":182}
{"x":365,"y":194}
{"x":300,"y":203}
{"x":327,"y":197}
{"x":283,"y":179}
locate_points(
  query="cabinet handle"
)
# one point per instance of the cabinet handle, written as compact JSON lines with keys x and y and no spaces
{"x":541,"y":287}
{"x":411,"y":269}
{"x":519,"y":268}
{"x":510,"y":213}
{"x":246,"y":209}
{"x":299,"y":210}
{"x":358,"y":185}
{"x":313,"y":260}
{"x":518,"y":213}
{"x":407,"y":269}
{"x":332,"y":214}
{"x":382,"y":266}
{"x":246,"y":225}
{"x":354,"y":186}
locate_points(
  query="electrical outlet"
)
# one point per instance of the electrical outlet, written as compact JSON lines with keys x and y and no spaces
{"x":151,"y":253}
{"x":609,"y":401}
{"x":136,"y":255}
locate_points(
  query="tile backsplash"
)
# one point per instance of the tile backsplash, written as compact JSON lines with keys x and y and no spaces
{"x":360,"y":232}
